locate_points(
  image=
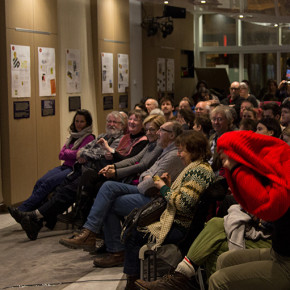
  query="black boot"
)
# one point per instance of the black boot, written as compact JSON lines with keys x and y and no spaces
{"x":131,"y":282}
{"x":31,"y":225}
{"x":16,"y":213}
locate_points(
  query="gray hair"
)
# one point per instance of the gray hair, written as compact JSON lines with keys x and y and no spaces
{"x":225,"y":111}
{"x":176,"y":128}
{"x":117,"y":115}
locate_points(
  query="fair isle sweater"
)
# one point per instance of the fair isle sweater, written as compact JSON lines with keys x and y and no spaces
{"x":193,"y":184}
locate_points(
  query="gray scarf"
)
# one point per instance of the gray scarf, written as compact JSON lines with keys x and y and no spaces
{"x":79,"y":136}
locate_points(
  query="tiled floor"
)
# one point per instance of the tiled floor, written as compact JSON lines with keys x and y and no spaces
{"x":107,"y":279}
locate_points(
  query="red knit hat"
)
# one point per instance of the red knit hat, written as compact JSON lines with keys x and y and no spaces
{"x":266,"y":155}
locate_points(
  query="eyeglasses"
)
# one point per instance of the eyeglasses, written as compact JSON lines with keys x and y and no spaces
{"x":235,"y":89}
{"x":165,"y":130}
{"x":219,"y":119}
{"x":150,"y":130}
{"x":113,"y":121}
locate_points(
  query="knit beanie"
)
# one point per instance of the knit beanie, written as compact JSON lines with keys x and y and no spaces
{"x":268,"y":156}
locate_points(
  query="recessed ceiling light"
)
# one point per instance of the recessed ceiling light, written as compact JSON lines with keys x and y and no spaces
{"x":241,"y":16}
{"x":276,"y":25}
{"x":203,"y":2}
{"x":166,"y":2}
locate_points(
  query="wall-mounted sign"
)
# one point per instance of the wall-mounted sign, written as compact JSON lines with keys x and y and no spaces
{"x":107,"y":73}
{"x":21,"y":110}
{"x":123,"y":72}
{"x":108,"y":102}
{"x":73,"y":71}
{"x":123,"y":101}
{"x":46,"y":71}
{"x":47,"y":108}
{"x":20,"y":71}
{"x":74,"y":103}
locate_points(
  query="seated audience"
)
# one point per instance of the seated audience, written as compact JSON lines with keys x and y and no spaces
{"x":244,"y":94}
{"x":167,"y":107}
{"x":116,"y":200}
{"x":202,"y":108}
{"x":248,"y":124}
{"x":285,"y":113}
{"x":263,"y":162}
{"x":245,"y":104}
{"x":80,"y":135}
{"x":271,"y":110}
{"x":249,"y":114}
{"x":151,"y":104}
{"x":268,"y":126}
{"x":222,"y":121}
{"x":270,"y":94}
{"x":283,"y":91}
{"x":185,"y":103}
{"x":237,"y":230}
{"x":140,"y":107}
{"x":202,"y":123}
{"x":186,"y":118}
{"x":182,"y":197}
{"x":285,"y":136}
{"x":65,"y":194}
{"x":197,"y":95}
{"x":126,"y":171}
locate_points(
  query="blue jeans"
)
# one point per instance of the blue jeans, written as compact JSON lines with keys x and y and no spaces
{"x":44,"y":186}
{"x":106,"y":198}
{"x":121,"y":208}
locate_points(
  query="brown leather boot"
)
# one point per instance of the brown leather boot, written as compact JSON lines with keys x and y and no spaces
{"x":168,"y":282}
{"x":110,"y":260}
{"x":84,"y":240}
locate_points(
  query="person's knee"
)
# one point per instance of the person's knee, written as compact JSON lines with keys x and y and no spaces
{"x":214,"y":282}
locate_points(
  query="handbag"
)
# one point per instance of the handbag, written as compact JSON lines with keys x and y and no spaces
{"x":143,"y":216}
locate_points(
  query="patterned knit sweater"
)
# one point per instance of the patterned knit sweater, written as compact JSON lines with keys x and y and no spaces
{"x":182,"y":198}
{"x":194,"y":181}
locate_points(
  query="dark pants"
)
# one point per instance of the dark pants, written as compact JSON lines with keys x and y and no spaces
{"x":134,"y":244}
{"x":63,"y":197}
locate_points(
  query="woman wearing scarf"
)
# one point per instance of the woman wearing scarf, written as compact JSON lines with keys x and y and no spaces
{"x":80,"y":135}
{"x":182,"y":197}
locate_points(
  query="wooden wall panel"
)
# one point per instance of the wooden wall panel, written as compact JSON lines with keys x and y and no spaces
{"x":30,"y":146}
{"x":111,"y":33}
{"x":21,"y":136}
{"x":47,"y":128}
{"x":45,"y":15}
{"x":19,"y":13}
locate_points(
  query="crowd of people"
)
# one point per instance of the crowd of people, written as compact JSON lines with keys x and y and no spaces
{"x":179,"y":153}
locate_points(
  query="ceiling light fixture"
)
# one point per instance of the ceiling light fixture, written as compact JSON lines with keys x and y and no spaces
{"x":166,"y":2}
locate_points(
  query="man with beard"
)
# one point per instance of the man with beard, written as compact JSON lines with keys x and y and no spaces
{"x":89,"y":157}
{"x":167,"y":108}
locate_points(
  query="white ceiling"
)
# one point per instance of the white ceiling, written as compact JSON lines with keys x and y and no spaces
{"x":267,"y":12}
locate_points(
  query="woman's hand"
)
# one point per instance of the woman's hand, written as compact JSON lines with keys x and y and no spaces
{"x":165,"y":179}
{"x":158,"y":182}
{"x":108,"y":171}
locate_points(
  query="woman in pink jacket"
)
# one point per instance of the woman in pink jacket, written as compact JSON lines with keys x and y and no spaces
{"x":80,"y":135}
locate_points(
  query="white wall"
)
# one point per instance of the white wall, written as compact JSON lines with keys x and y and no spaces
{"x":74,"y":31}
{"x":136,"y":83}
